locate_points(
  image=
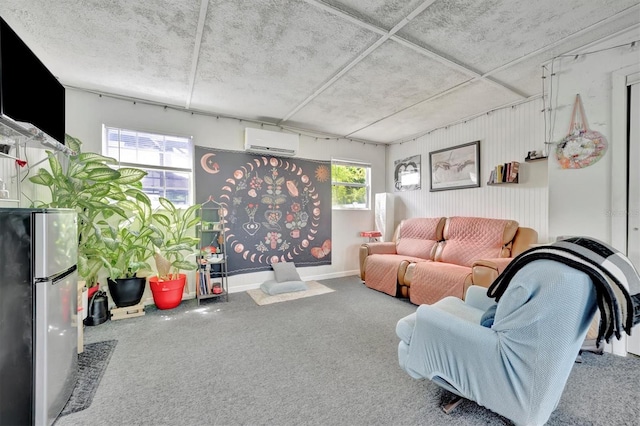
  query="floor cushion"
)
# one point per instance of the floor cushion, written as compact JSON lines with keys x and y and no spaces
{"x":273,"y":287}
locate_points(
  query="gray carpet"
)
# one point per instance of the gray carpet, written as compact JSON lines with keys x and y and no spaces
{"x":92,"y":363}
{"x":327,"y":360}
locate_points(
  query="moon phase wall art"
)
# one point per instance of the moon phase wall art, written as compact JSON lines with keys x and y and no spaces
{"x":275,"y":209}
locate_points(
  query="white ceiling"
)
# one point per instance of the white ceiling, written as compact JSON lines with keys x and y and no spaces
{"x":375,"y":70}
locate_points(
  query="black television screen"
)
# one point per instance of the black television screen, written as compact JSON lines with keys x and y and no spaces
{"x":28,"y":91}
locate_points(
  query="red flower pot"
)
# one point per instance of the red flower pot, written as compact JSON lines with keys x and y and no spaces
{"x":167,"y":294}
{"x":92,"y":290}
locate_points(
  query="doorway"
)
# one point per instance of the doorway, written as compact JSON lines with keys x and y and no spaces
{"x":633,"y":173}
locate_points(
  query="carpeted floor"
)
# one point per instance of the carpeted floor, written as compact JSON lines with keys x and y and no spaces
{"x":92,"y":363}
{"x":327,"y":360}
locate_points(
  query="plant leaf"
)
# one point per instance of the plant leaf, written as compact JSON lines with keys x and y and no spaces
{"x":86,"y":157}
{"x":73,"y":143}
{"x":167,"y":204}
{"x":163,"y":220}
{"x":184,"y":265}
{"x":54,"y":164}
{"x":42,"y":178}
{"x":129,"y":175}
{"x":103,"y":174}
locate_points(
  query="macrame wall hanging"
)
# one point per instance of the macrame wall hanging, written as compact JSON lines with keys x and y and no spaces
{"x":581,"y":147}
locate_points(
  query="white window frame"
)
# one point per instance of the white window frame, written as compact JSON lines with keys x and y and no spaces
{"x":146,"y":166}
{"x":366,"y":184}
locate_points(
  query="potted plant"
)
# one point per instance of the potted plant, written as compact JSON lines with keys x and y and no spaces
{"x":92,"y":188}
{"x":173,"y":243}
{"x":127,"y":248}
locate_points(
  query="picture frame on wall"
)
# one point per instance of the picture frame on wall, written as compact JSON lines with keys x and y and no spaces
{"x":457,"y":167}
{"x":407,"y":174}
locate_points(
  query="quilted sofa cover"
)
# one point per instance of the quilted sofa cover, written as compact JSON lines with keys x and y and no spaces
{"x":465,"y":240}
{"x":426,"y":266}
{"x":416,"y":241}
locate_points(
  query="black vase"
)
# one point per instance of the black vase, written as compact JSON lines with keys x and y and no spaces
{"x":126,"y":291}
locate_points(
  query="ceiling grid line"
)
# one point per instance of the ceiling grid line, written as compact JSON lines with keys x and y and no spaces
{"x":562,"y":40}
{"x":429,"y":99}
{"x":485,"y":77}
{"x":360,"y":57}
{"x":455,"y":65}
{"x":344,"y":15}
{"x":204,"y":5}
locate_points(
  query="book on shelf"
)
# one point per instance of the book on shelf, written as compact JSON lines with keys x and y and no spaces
{"x":203,"y":281}
{"x":505,"y":173}
{"x":513,"y":171}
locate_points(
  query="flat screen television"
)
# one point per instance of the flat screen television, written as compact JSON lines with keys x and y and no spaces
{"x":28,"y":91}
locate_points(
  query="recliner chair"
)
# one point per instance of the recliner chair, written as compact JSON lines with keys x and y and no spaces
{"x":517,"y":368}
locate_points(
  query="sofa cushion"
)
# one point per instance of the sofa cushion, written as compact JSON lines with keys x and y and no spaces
{"x":467,"y":239}
{"x":418,"y":237}
{"x":381,"y":271}
{"x":433,"y":281}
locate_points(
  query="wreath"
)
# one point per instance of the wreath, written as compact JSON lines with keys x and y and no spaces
{"x":582,"y":147}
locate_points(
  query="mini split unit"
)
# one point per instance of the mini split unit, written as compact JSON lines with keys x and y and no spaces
{"x":267,"y":142}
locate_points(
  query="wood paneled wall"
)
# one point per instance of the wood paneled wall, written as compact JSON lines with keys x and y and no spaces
{"x":505,"y":135}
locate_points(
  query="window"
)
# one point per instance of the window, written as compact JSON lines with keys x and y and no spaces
{"x":350,"y":185}
{"x":168,"y":161}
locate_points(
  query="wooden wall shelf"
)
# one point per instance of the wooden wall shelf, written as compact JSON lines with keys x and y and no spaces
{"x":533,"y":160}
{"x":501,"y":183}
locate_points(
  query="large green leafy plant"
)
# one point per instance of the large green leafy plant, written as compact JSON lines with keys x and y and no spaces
{"x":173,"y":240}
{"x":87,"y":183}
{"x":127,"y":242}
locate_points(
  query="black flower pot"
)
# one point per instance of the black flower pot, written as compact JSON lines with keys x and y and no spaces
{"x":126,"y":291}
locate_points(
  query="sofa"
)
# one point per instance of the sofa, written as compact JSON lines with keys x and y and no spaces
{"x":432,"y":258}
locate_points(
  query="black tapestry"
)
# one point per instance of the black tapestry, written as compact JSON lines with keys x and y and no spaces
{"x":275,"y":209}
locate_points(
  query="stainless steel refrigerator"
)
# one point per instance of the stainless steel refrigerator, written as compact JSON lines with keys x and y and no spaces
{"x":38,"y":314}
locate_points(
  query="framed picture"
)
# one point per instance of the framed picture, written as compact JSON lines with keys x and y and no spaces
{"x":455,"y":168}
{"x":407,"y":174}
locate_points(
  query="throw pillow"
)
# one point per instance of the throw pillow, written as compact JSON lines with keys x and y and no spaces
{"x":285,"y":271}
{"x":487,"y":318}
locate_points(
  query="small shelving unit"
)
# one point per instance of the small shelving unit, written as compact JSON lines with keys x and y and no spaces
{"x":212,"y":276}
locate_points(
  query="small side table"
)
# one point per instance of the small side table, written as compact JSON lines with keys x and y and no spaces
{"x":372,"y":235}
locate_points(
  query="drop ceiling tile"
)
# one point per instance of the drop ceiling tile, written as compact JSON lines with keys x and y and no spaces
{"x":527,"y":74}
{"x":261,"y":59}
{"x":140,"y":49}
{"x":391,"y":78}
{"x":486,"y":34}
{"x":474,"y":98}
{"x":381,"y":13}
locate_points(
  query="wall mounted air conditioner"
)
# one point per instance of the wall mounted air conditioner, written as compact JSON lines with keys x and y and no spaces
{"x":267,"y":142}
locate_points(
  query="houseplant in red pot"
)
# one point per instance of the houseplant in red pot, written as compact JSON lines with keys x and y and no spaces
{"x":173,"y":241}
{"x":127,"y":248}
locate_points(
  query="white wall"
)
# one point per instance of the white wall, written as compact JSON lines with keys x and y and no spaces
{"x":580,"y":199}
{"x":505,"y":135}
{"x":86,"y":113}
